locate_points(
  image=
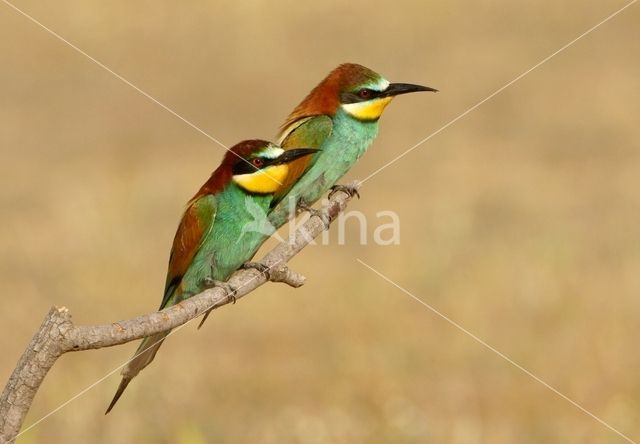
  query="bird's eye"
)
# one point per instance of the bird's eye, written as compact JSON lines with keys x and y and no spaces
{"x":257,"y":162}
{"x":364,"y":93}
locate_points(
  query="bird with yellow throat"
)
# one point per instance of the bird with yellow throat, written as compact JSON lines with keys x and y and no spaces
{"x":339,"y":117}
{"x":212,"y":241}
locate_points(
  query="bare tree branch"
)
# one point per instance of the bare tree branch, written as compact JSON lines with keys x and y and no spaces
{"x":58,"y":335}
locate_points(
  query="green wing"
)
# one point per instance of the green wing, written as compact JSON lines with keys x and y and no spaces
{"x":308,"y":132}
{"x":196,"y":223}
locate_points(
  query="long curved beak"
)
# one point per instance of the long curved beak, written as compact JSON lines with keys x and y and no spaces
{"x":395,"y":89}
{"x":291,"y":155}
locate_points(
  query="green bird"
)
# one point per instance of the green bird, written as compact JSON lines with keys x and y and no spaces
{"x":216,"y":235}
{"x":340,"y":117}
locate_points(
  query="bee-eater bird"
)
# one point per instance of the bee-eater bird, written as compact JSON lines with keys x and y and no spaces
{"x":340,"y":117}
{"x":212,"y":241}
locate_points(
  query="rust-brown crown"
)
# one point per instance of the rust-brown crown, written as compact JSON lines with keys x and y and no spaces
{"x":325,"y":97}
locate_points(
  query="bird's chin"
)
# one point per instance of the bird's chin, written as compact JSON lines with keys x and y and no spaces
{"x":370,"y":110}
{"x":265,"y":181}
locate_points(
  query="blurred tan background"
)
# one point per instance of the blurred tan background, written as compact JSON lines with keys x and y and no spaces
{"x":521,"y":221}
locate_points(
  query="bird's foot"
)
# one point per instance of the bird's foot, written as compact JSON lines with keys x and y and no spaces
{"x":228,"y":288}
{"x":303,"y":206}
{"x":350,"y":189}
{"x":262,"y":268}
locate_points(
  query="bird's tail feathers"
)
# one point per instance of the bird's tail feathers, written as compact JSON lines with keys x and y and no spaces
{"x":143,"y":357}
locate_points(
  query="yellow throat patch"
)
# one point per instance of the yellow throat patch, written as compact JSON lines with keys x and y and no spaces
{"x":369,"y":110}
{"x":264,"y":181}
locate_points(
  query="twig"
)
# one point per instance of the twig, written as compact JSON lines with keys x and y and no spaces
{"x":58,"y":335}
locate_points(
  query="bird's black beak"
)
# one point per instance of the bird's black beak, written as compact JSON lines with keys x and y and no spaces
{"x":395,"y":89}
{"x":291,"y":155}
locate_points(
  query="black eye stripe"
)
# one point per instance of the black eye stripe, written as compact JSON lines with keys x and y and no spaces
{"x":244,"y":166}
{"x":354,"y":96}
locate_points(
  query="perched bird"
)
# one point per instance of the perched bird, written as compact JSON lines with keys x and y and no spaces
{"x":340,"y":117}
{"x":212,"y":240}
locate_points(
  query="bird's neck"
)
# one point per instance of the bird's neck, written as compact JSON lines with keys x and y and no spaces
{"x":357,"y":134}
{"x":216,"y":183}
{"x":236,"y":199}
